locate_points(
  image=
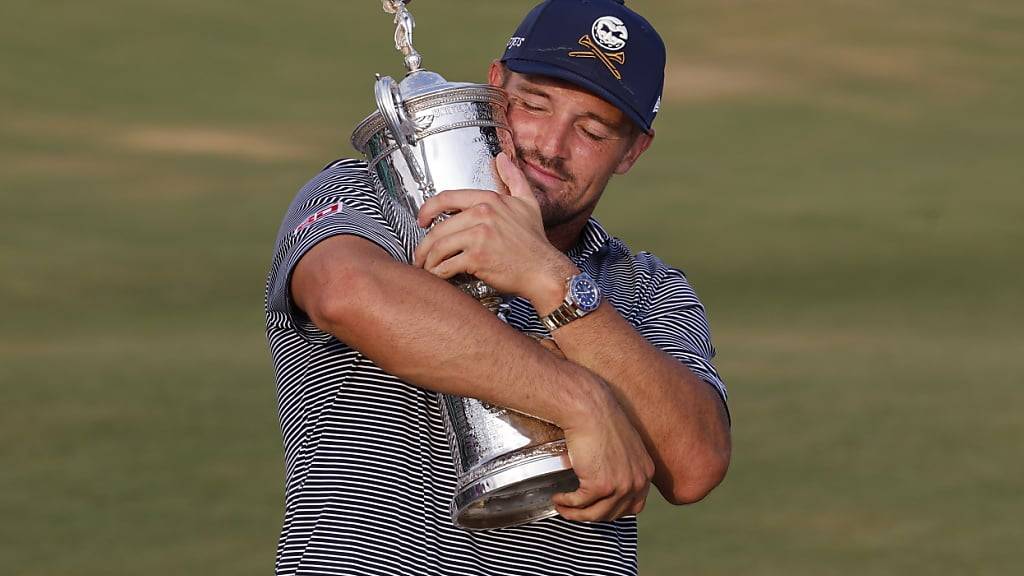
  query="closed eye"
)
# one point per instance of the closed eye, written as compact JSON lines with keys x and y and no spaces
{"x":595,"y":135}
{"x":531,"y":107}
{"x":528,"y":106}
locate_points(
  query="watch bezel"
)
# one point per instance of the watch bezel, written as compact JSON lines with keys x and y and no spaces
{"x":583,"y":284}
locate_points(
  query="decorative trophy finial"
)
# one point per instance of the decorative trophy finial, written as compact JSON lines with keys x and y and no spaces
{"x":404,"y":25}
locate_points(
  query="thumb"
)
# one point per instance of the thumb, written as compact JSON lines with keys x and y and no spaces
{"x":514,"y":178}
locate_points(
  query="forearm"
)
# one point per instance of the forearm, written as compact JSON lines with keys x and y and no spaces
{"x":426,"y":332}
{"x":680,"y":417}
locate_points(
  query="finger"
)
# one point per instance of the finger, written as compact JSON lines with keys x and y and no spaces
{"x":604,"y":510}
{"x":638,"y":506}
{"x":458,"y":264}
{"x":626,"y":507}
{"x":583,"y":496}
{"x":453,"y":201}
{"x":449,"y":226}
{"x":600,"y":510}
{"x":450,"y":245}
{"x":514,"y":178}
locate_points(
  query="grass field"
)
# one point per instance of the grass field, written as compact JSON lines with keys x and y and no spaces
{"x":841,"y":180}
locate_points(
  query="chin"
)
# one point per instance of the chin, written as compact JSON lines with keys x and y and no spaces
{"x":554,"y":214}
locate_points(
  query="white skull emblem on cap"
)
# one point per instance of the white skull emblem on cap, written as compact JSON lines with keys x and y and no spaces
{"x":610,"y":33}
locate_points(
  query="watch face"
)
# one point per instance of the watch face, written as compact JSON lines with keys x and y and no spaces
{"x":585,"y":292}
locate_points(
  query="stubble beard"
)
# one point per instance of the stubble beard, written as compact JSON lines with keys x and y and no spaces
{"x":554,"y":206}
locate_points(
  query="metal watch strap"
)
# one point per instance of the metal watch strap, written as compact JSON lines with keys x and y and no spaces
{"x":560,"y":317}
{"x":571,"y":309}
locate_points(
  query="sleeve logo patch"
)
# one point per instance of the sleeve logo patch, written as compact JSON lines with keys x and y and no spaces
{"x":328,"y":211}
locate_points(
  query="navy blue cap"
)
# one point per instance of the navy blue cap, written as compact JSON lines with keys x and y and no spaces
{"x":598,"y":45}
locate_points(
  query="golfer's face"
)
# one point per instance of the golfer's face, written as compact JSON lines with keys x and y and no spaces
{"x":568,"y":143}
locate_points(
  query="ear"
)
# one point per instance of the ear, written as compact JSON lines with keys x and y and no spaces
{"x":640,"y":144}
{"x":496,"y":74}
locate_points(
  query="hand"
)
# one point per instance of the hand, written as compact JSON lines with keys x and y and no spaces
{"x":498,"y":238}
{"x":611,"y":462}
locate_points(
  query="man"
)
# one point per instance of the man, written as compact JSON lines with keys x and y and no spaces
{"x":365,"y":332}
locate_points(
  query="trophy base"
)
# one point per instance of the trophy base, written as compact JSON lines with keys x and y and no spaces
{"x":515,"y":490}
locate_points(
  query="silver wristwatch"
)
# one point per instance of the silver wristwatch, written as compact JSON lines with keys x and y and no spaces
{"x":582,"y":296}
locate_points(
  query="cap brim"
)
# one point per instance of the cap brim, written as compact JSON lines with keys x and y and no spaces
{"x":546,"y":69}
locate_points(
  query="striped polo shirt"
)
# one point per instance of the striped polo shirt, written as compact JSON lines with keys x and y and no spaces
{"x":369,"y":475}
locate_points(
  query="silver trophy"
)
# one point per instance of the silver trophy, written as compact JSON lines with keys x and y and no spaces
{"x":429,"y":135}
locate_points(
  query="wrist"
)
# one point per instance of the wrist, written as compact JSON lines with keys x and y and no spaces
{"x":550,"y":286}
{"x":584,"y":397}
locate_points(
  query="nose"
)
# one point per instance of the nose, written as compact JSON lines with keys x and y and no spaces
{"x":552,"y":139}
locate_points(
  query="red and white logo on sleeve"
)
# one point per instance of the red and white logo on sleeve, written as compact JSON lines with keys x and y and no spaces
{"x":329,"y":211}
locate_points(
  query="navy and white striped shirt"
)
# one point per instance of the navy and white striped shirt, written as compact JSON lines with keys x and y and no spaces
{"x":369,"y":474}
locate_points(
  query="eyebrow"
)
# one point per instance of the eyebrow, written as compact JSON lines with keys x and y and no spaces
{"x":535,"y":91}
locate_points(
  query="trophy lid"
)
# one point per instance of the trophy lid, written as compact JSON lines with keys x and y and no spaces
{"x":422,"y":93}
{"x":423,"y":82}
{"x":398,"y":103}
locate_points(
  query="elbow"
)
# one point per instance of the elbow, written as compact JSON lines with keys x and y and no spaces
{"x":700,"y":478}
{"x":340,"y":282}
{"x":341,"y":299}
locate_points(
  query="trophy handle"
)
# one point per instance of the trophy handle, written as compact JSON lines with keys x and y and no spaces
{"x":392,"y":109}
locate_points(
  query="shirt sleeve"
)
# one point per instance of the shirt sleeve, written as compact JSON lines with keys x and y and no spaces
{"x":340,"y":200}
{"x":674,"y":321}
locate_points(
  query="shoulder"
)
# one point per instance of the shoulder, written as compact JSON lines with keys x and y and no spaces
{"x":659,"y":272}
{"x":342,"y":185}
{"x":630,"y":280}
{"x":616,"y":261}
{"x":345,"y":177}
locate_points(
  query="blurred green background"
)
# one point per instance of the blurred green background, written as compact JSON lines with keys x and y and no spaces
{"x":841,"y":180}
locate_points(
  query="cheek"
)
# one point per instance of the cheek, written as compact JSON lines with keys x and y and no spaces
{"x":591,"y":163}
{"x":520,"y":124}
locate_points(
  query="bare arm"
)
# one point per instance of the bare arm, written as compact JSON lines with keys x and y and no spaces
{"x":424,"y":331}
{"x":501,"y":240}
{"x":355,"y":291}
{"x":681,"y":417}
